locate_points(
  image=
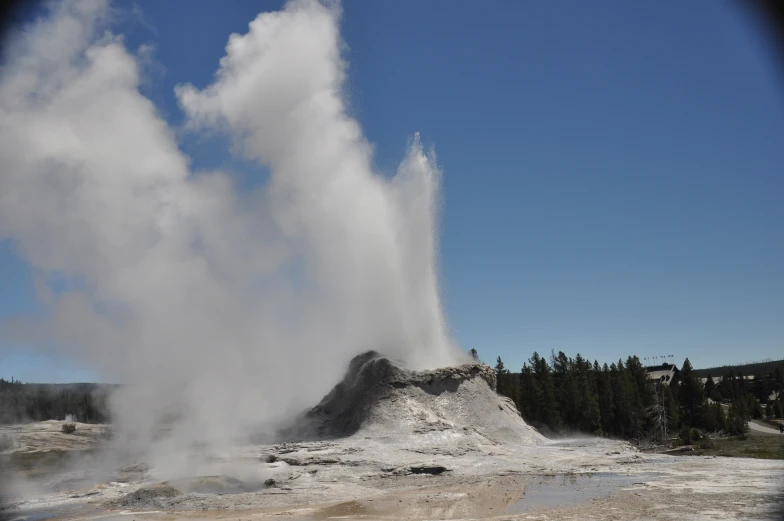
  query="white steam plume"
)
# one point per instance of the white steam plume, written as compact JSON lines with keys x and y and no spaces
{"x":228,"y":307}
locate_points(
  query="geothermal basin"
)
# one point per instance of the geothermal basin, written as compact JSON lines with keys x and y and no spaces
{"x":385,"y":443}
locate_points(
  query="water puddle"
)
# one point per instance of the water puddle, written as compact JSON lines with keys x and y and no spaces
{"x":564,"y":490}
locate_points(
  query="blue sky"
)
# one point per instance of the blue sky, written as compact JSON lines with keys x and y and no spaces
{"x":612,"y":170}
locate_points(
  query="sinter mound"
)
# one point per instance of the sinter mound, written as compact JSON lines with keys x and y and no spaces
{"x":380,"y":398}
{"x":154,"y":496}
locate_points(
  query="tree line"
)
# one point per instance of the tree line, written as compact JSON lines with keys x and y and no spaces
{"x":23,"y":402}
{"x":763,"y":367}
{"x":565,"y":394}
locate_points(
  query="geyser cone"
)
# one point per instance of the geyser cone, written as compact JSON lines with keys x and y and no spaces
{"x":382,"y":399}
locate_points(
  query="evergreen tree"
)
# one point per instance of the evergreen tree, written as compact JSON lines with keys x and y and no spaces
{"x":588,"y":414}
{"x":691,"y":396}
{"x":629,"y":413}
{"x":739,"y":416}
{"x":565,"y":389}
{"x":500,"y":380}
{"x":499,"y":367}
{"x":505,"y":385}
{"x":670,"y":407}
{"x":547,"y":413}
{"x":645,"y":393}
{"x":756,"y":408}
{"x":712,"y":390}
{"x":500,"y":370}
{"x":719,"y":417}
{"x":605,"y":400}
{"x":475,"y":354}
{"x":709,"y":386}
{"x":527,"y":404}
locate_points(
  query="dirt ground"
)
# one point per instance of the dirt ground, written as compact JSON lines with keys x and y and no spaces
{"x":47,"y":436}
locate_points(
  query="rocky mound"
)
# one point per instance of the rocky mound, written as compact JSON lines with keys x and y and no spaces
{"x":154,"y":496}
{"x":379,"y":397}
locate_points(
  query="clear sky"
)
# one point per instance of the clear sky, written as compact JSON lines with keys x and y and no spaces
{"x":613,"y":171}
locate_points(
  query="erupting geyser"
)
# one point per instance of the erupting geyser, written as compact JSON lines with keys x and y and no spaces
{"x":227,"y":307}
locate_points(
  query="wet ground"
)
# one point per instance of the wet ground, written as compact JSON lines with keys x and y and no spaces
{"x":512,"y":494}
{"x":640,"y":493}
{"x":566,"y":490}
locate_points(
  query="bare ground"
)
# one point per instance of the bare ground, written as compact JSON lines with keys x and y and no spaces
{"x":356,"y":478}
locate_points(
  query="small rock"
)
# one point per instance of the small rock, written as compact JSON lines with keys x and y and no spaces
{"x":428,"y":469}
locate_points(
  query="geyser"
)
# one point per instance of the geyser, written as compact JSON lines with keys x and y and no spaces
{"x":220,"y":308}
{"x":447,"y":408}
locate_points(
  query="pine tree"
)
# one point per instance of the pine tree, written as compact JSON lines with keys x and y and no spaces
{"x":671,"y":406}
{"x":720,"y":417}
{"x":712,"y":390}
{"x":527,"y":402}
{"x":629,"y":412}
{"x":505,"y":385}
{"x":499,"y":367}
{"x":500,"y":371}
{"x":588,"y":415}
{"x":739,"y":416}
{"x":725,"y":387}
{"x":547,"y":406}
{"x":475,"y":354}
{"x":565,"y":389}
{"x":645,"y":393}
{"x":691,"y":396}
{"x":605,"y":400}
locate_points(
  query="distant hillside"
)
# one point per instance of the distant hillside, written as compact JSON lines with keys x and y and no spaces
{"x":763,"y":368}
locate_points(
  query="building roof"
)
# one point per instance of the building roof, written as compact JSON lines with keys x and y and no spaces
{"x":663,"y":373}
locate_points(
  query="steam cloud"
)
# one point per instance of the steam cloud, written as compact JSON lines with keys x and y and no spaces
{"x":225,"y":307}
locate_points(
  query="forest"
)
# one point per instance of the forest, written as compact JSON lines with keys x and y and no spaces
{"x":24,"y":402}
{"x":567,"y":395}
{"x":559,"y":395}
{"x":755,"y":368}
